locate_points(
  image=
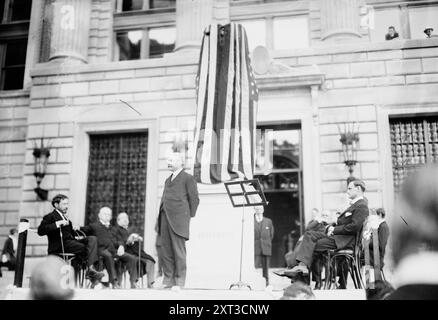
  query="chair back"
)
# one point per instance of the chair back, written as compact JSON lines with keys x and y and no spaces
{"x":358,"y":240}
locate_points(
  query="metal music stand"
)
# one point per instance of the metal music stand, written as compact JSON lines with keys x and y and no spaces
{"x":246,"y":193}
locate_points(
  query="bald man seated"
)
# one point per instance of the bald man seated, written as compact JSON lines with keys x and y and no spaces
{"x":109,"y":248}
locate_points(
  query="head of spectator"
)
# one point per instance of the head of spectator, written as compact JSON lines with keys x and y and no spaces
{"x":52,"y":279}
{"x":105,"y":215}
{"x":428,"y":32}
{"x":258,"y":210}
{"x":60,"y":203}
{"x":298,"y":291}
{"x":315,"y":213}
{"x":392,"y":34}
{"x":175,"y":161}
{"x":123,"y":220}
{"x":12,"y":232}
{"x":417,"y":229}
{"x":381,"y":289}
{"x":381,"y":214}
{"x":326,"y":216}
{"x":356,"y":189}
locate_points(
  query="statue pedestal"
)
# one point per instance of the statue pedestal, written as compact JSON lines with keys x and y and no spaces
{"x":214,"y":248}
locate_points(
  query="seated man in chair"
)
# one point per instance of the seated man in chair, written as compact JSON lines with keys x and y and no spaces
{"x":109,"y":248}
{"x":319,"y":222}
{"x":340,"y":236}
{"x":59,"y":231}
{"x":130,"y":241}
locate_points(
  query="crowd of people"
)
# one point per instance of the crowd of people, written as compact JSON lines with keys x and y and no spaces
{"x":116,"y":248}
{"x":101,"y":244}
{"x":414,"y":241}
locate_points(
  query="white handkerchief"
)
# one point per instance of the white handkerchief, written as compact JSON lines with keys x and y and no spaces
{"x":348,"y":214}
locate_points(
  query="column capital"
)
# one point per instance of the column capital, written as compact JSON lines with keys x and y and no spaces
{"x":192,"y":17}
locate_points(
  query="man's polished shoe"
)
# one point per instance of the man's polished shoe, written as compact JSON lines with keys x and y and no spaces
{"x":301,"y":268}
{"x":318,"y":285}
{"x":116,"y":285}
{"x":92,"y":274}
{"x":281,"y":273}
{"x":164,"y":287}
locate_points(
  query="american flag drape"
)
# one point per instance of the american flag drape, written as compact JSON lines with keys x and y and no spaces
{"x":224,"y":142}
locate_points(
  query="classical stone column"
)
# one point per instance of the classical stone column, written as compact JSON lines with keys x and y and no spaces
{"x":339,"y":20}
{"x":34,"y":40}
{"x":70,"y":30}
{"x":192,"y":17}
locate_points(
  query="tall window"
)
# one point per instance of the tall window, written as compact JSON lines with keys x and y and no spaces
{"x":143,"y":29}
{"x":143,"y":44}
{"x":132,"y":5}
{"x":278,"y":33}
{"x":414,"y":143}
{"x":419,"y":17}
{"x":14,"y":28}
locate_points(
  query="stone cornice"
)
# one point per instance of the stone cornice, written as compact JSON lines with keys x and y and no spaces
{"x":357,"y":47}
{"x":282,"y":77}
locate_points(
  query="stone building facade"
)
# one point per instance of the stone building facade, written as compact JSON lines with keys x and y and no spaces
{"x":73,"y":89}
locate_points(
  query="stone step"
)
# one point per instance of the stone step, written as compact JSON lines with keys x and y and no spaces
{"x":188,"y":294}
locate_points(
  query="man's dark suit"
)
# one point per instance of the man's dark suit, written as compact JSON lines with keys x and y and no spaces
{"x":415,"y":291}
{"x":8,"y":250}
{"x":178,"y":205}
{"x":147,"y":262}
{"x":263,"y":235}
{"x":344,"y":233}
{"x":85,"y":250}
{"x":107,"y":245}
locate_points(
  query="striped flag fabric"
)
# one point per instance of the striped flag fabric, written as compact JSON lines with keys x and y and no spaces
{"x":227,"y":95}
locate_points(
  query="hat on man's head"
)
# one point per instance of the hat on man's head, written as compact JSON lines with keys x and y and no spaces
{"x":427,"y":29}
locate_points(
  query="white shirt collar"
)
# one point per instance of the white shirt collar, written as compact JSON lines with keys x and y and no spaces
{"x":356,"y":200}
{"x":408,"y":272}
{"x":258,"y":218}
{"x":61,"y":214}
{"x":176,"y":172}
{"x":105,"y":224}
{"x":14,"y":242}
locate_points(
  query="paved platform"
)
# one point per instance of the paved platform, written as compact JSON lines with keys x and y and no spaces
{"x":188,"y":294}
{"x":274,"y":292}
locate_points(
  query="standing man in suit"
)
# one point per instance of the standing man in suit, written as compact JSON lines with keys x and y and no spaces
{"x":263,"y":235}
{"x":59,"y":231}
{"x":340,"y":236}
{"x":178,"y":205}
{"x":8,"y":258}
{"x":110,"y":247}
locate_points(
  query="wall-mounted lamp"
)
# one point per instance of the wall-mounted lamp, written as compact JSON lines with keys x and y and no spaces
{"x":41,"y":156}
{"x":349,"y":139}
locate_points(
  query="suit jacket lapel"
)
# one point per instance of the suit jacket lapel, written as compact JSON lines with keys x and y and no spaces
{"x":177,"y":177}
{"x":347,"y":210}
{"x":350,"y":208}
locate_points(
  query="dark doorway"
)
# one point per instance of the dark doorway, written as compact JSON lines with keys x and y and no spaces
{"x":117,"y":176}
{"x":283,"y":189}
